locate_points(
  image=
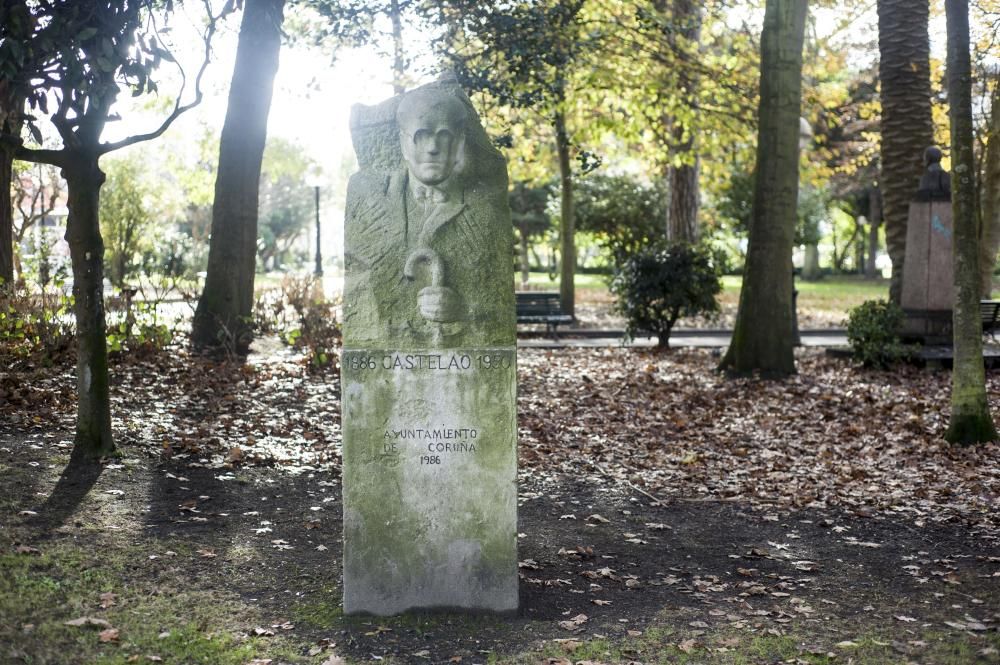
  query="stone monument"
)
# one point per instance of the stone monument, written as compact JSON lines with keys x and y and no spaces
{"x":928,"y":293}
{"x":429,"y":366}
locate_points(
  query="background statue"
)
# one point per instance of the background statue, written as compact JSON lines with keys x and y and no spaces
{"x":935,"y":184}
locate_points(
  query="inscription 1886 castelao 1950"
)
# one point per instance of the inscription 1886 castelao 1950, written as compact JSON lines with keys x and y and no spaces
{"x":417,"y":361}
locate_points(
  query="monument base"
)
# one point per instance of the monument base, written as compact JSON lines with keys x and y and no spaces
{"x":430,"y":480}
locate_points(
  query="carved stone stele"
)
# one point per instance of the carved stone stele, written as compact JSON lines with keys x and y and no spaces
{"x":429,"y":363}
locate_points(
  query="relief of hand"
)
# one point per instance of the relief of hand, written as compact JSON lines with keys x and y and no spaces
{"x":437,"y":302}
{"x":440,"y":304}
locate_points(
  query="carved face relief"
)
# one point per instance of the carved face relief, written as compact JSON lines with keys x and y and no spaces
{"x":431,"y":139}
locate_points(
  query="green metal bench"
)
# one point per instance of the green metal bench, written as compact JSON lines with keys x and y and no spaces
{"x":541,"y":307}
{"x":989,"y":311}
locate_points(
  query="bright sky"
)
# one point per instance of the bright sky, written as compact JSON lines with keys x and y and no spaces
{"x":311,"y":104}
{"x":312,"y":96}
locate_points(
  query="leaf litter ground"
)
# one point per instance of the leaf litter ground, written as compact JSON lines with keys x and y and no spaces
{"x":667,"y":513}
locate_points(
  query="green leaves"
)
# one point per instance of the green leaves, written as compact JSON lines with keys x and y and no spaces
{"x":624,"y":213}
{"x":657,"y":285}
{"x":873,"y":331}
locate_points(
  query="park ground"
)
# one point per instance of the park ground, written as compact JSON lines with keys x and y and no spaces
{"x":666,"y":514}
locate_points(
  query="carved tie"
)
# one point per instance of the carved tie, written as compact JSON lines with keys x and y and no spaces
{"x":426,"y":194}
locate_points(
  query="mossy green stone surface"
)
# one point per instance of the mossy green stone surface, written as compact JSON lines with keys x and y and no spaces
{"x":429,"y":480}
{"x":429,"y":364}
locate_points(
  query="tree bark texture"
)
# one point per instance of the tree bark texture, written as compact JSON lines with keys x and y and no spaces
{"x":810,"y":262}
{"x":17,"y":26}
{"x":990,"y":233}
{"x":83,"y":233}
{"x":907,"y":127}
{"x":970,"y":414}
{"x":874,"y":220}
{"x":398,"y":59}
{"x":525,"y":266}
{"x":6,"y":217}
{"x":682,"y":224}
{"x":764,"y":334}
{"x":567,"y":220}
{"x":11,"y":121}
{"x":683,"y":37}
{"x":225,"y":308}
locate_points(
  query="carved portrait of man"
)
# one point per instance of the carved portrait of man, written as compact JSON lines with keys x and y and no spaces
{"x":427,"y":232}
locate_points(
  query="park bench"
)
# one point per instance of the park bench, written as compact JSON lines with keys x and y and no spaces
{"x":989,"y":311}
{"x":541,"y":307}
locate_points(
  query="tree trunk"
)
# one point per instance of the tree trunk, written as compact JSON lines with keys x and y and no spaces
{"x":764,"y":337}
{"x":874,"y":220}
{"x":6,"y":217}
{"x":810,"y":263}
{"x":224,"y":311}
{"x":682,"y":225}
{"x":682,"y":214}
{"x":83,"y":233}
{"x":990,"y":243}
{"x":11,"y":121}
{"x":970,"y":414}
{"x":567,"y":221}
{"x":859,"y":257}
{"x":525,"y":267}
{"x":907,"y":127}
{"x":398,"y":61}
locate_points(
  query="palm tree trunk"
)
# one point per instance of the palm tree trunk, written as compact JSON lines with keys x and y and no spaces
{"x":970,"y":413}
{"x":907,"y":127}
{"x":764,"y":335}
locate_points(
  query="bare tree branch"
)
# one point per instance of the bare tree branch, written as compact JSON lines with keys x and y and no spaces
{"x":179,"y":109}
{"x":53,"y":157}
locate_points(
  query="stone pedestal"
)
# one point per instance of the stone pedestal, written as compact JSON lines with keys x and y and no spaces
{"x":429,"y":365}
{"x":928,"y":285}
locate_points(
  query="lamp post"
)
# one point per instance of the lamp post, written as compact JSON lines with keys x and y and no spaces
{"x":315,"y":181}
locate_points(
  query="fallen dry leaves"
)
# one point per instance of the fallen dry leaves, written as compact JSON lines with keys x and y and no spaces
{"x":668,"y":425}
{"x":832,"y":436}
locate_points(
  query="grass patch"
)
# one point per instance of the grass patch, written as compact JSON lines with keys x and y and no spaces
{"x":834,"y":294}
{"x":171,"y":620}
{"x":838,"y":293}
{"x":320,"y":613}
{"x":540,"y":281}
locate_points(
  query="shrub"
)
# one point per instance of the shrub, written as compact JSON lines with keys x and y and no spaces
{"x":36,"y":327}
{"x":134,"y":327}
{"x":303,"y":318}
{"x":873,"y":333}
{"x":659,"y":284}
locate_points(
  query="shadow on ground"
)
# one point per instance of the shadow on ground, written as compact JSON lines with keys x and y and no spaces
{"x":599,"y":564}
